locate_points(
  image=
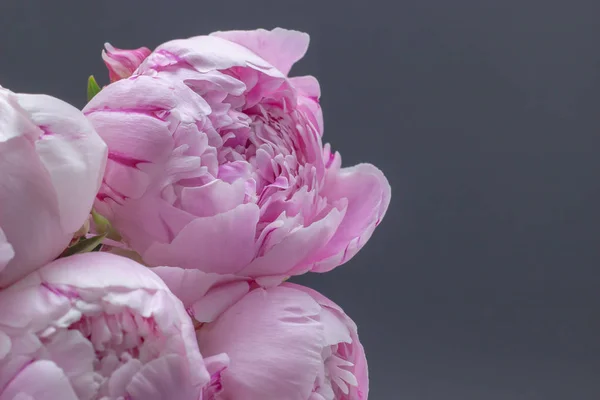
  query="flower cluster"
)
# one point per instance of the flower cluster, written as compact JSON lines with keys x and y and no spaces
{"x":145,"y":241}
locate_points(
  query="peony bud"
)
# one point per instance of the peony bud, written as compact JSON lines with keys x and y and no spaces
{"x":99,"y":326}
{"x":51,"y":166}
{"x":286,"y":342}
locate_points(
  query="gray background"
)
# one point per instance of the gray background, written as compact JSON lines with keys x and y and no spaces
{"x":482,"y":281}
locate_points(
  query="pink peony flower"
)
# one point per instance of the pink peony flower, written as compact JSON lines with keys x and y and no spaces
{"x":51,"y":163}
{"x":285,"y":342}
{"x":98,"y":326}
{"x":216,"y":161}
{"x":121,"y":63}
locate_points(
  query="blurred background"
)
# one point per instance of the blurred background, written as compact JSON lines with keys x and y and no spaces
{"x":482,"y":281}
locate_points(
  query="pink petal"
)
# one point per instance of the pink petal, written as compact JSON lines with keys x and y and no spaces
{"x":72,"y":153}
{"x":121,"y":63}
{"x":52,"y":162}
{"x":215,"y":365}
{"x":99,"y":271}
{"x":147,"y":94}
{"x":280,"y":47}
{"x":295,"y":247}
{"x":219,"y":299}
{"x":274,"y":341}
{"x":360,"y":369}
{"x":41,"y":380}
{"x":309,"y":92}
{"x":163,"y":378}
{"x":29,"y":214}
{"x":152,"y":141}
{"x":189,"y":285}
{"x":367,"y":193}
{"x":6,"y":251}
{"x":208,"y":53}
{"x":201,"y":243}
{"x":5,"y":345}
{"x":213,"y":198}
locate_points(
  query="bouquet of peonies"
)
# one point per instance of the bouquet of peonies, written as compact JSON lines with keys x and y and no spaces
{"x":145,"y":241}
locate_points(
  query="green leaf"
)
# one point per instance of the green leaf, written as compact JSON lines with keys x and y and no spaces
{"x":84,"y":245}
{"x":104,"y":226}
{"x":92,"y":88}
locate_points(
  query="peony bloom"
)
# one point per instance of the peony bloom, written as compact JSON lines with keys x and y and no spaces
{"x":98,"y":326}
{"x":51,"y":166}
{"x":121,"y":63}
{"x":216,"y":161}
{"x":286,"y":343}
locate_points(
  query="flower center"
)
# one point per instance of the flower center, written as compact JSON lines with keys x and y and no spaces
{"x":100,"y":353}
{"x":336,"y":380}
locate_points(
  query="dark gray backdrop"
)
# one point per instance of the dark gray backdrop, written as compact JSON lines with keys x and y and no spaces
{"x":482,"y":281}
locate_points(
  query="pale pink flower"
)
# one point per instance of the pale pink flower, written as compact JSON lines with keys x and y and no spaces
{"x":51,"y":166}
{"x":216,"y":161}
{"x":120,"y":62}
{"x":98,"y":326}
{"x":286,"y":343}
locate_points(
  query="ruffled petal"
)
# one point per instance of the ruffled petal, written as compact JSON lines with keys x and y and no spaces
{"x":309,"y":92}
{"x":121,"y":63}
{"x":190,"y":285}
{"x":202,"y":241}
{"x":280,"y":47}
{"x":286,"y":257}
{"x":367,"y":193}
{"x":360,"y":371}
{"x":208,"y":53}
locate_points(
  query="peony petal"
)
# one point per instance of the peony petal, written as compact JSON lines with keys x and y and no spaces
{"x":367,"y":193}
{"x":41,"y":380}
{"x":208,"y":53}
{"x":359,"y":360}
{"x":217,"y":300}
{"x":72,"y":153}
{"x":96,"y":270}
{"x":14,"y":121}
{"x":295,"y":247}
{"x":135,"y":95}
{"x":202,"y":241}
{"x":309,"y":92}
{"x":121,"y":63}
{"x":5,"y":345}
{"x":189,"y":285}
{"x":213,"y":198}
{"x":6,"y":251}
{"x":280,"y":47}
{"x":152,"y":142}
{"x":274,"y":341}
{"x":121,"y":378}
{"x":29,"y":213}
{"x":215,"y":365}
{"x":161,"y":379}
